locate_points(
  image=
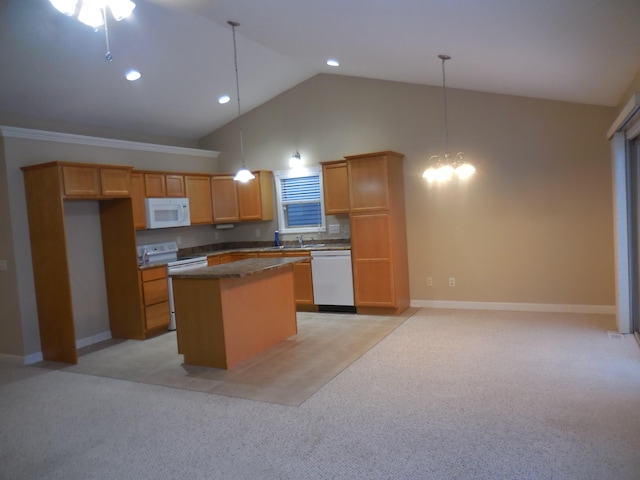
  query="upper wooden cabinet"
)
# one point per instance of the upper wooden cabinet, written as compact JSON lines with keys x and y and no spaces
{"x":212,"y":198}
{"x":115,"y":182}
{"x":158,"y":185}
{"x":335,"y":182}
{"x":176,"y":185}
{"x":198,"y":191}
{"x":224,"y":194}
{"x":94,"y":181}
{"x":137,"y":200}
{"x":369,"y":181}
{"x":255,"y":197}
{"x":154,"y":185}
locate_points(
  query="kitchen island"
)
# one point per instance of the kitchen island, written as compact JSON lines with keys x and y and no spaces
{"x":228,"y":313}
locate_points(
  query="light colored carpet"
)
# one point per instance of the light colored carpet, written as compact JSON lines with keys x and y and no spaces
{"x":446,"y":395}
{"x":287,"y":373}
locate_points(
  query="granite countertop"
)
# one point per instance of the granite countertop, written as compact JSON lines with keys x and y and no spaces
{"x":210,"y":250}
{"x":285,"y":248}
{"x":239,"y":269}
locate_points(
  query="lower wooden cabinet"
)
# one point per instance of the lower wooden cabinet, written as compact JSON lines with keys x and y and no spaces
{"x":155,"y":297}
{"x":303,"y":284}
{"x":373,"y":278}
{"x":302,"y":280}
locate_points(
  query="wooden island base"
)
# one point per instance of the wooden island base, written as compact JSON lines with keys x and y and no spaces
{"x":221,"y":322}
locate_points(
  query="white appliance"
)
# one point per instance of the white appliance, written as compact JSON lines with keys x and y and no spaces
{"x":167,"y":212}
{"x":178,"y":266}
{"x":167,"y":252}
{"x":332,"y":280}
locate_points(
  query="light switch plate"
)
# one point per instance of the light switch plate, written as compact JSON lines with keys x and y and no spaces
{"x":345,"y":228}
{"x":334,"y":228}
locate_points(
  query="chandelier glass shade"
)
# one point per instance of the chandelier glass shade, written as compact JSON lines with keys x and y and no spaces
{"x":442,"y":168}
{"x":92,"y":12}
{"x":244,"y":174}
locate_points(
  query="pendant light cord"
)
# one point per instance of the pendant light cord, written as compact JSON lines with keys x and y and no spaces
{"x":235,"y":61}
{"x":444,"y":58}
{"x":108,"y":57}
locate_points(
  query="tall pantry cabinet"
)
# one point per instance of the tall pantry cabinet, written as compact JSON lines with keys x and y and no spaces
{"x":378,"y":232}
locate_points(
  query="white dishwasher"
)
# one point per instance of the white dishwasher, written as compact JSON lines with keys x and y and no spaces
{"x":332,"y":280}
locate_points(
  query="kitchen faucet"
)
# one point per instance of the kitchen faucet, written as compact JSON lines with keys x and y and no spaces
{"x":300,"y":240}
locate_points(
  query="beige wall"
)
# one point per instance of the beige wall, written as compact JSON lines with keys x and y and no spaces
{"x":11,"y":340}
{"x":533,"y":226}
{"x":18,"y":312}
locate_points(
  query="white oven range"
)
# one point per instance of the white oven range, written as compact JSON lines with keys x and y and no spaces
{"x":178,"y":266}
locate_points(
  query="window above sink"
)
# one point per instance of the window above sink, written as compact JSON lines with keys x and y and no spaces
{"x":299,"y":200}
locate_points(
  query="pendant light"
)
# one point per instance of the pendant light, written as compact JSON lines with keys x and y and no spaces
{"x":442,"y":169}
{"x":295,"y":161}
{"x":243,"y":175}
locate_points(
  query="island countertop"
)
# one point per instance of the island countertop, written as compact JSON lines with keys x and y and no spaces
{"x":239,"y":269}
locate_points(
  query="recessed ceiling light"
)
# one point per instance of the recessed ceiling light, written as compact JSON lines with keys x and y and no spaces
{"x":224,"y":99}
{"x":133,"y":75}
{"x":333,"y":62}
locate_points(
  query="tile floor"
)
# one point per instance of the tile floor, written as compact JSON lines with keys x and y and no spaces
{"x":286,"y":374}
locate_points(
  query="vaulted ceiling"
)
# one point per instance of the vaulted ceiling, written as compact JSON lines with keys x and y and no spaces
{"x":53,"y":67}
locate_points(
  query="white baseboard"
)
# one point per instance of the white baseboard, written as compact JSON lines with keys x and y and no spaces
{"x":21,"y":360}
{"x":100,"y":337}
{"x":37,"y":357}
{"x":516,"y":307}
{"x":11,"y":359}
{"x":33,"y":358}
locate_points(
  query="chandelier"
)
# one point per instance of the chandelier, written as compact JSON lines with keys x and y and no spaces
{"x":243,"y":175}
{"x":94,"y":13}
{"x":442,"y":168}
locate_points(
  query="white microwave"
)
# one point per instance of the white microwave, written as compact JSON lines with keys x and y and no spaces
{"x":167,"y":212}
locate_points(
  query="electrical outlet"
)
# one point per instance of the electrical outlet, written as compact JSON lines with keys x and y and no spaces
{"x":452,"y":281}
{"x":429,"y":282}
{"x":345,"y":228}
{"x":179,"y":240}
{"x":216,"y":235}
{"x":257,"y":232}
{"x":334,"y":228}
{"x":3,"y":265}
